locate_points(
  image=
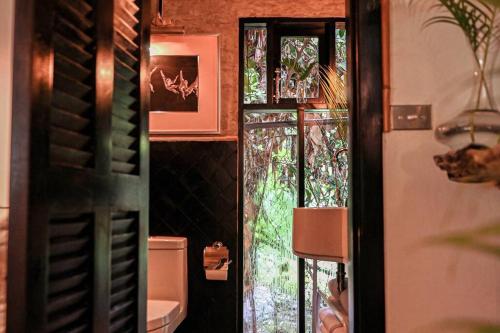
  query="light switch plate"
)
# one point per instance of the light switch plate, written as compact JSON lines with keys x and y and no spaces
{"x":411,"y":117}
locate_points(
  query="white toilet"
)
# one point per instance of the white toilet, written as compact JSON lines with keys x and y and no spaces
{"x":167,"y":283}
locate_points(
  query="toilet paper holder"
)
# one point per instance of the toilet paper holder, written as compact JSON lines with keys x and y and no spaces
{"x":216,"y":261}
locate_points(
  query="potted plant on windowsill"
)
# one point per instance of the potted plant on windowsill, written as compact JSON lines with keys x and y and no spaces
{"x":474,"y":134}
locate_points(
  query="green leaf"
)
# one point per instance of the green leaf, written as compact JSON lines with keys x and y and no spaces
{"x":466,"y":326}
{"x":495,"y":3}
{"x":291,"y":65}
{"x":307,"y":71}
{"x":476,"y":18}
{"x":484,"y":239}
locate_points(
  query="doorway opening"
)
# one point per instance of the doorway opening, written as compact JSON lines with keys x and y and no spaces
{"x":28,"y":259}
{"x":290,"y":158}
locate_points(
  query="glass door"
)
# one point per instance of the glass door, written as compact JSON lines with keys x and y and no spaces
{"x":280,"y":62}
{"x":270,"y":193}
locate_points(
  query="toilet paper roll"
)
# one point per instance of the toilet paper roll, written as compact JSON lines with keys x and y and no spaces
{"x":218,"y":275}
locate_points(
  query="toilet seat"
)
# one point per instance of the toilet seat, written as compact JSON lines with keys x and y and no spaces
{"x":161,"y":313}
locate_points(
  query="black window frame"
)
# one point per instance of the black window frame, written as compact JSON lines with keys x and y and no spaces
{"x":324,"y":28}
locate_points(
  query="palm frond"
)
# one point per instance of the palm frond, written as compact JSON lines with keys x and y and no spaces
{"x":494,"y":3}
{"x":464,"y":326}
{"x":485,"y":239}
{"x":439,"y":19}
{"x":336,"y":99}
{"x":476,"y":18}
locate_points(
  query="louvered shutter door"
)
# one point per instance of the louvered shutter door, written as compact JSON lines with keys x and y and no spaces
{"x":126,"y":161}
{"x":126,"y":94}
{"x":80,"y":167}
{"x":124,"y":272}
{"x":74,"y":85}
{"x":69,"y":303}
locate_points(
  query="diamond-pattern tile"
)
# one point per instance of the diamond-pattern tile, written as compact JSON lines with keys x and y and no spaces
{"x":194,"y":194}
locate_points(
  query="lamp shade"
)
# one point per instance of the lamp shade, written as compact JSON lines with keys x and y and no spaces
{"x":320,"y":233}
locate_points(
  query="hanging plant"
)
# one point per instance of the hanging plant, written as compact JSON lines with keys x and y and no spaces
{"x":479,"y":124}
{"x":478,"y":127}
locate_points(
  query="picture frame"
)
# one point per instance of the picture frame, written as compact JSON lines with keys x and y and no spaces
{"x":185,"y":84}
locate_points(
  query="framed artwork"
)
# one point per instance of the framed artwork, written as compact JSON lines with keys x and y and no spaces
{"x":184,"y":84}
{"x":174,"y":83}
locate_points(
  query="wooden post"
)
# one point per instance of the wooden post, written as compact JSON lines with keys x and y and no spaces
{"x":386,"y":63}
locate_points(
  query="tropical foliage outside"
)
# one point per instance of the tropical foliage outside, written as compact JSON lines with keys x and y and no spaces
{"x":300,"y":65}
{"x":271,"y":179}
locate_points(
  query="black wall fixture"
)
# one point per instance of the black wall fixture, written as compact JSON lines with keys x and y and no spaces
{"x":193,"y":194}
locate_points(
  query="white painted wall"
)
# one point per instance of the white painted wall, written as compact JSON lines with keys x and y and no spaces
{"x":426,"y":285}
{"x":6,"y":57}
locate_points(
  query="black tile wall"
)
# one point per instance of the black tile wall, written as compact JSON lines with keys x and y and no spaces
{"x":193,"y":194}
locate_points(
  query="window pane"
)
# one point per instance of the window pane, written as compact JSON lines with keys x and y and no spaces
{"x":255,"y":64}
{"x":300,"y":65}
{"x":326,"y":271}
{"x":270,"y":194}
{"x":326,"y":185}
{"x":341,"y":49}
{"x":326,"y":155}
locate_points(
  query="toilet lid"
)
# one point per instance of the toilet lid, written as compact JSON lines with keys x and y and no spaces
{"x":161,"y":313}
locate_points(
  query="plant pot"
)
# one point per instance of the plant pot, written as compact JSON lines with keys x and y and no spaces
{"x":479,"y":124}
{"x":479,"y":127}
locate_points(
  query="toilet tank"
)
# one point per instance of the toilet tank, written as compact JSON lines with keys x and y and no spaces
{"x":167,"y":271}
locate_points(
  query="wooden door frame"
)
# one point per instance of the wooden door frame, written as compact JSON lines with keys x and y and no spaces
{"x":366,"y":227}
{"x":366,"y":220}
{"x":16,"y":298}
